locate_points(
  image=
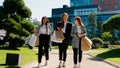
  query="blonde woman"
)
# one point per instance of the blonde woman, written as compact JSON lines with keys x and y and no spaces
{"x":66,"y":29}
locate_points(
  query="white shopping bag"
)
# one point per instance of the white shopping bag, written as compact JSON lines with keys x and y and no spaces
{"x":32,"y":40}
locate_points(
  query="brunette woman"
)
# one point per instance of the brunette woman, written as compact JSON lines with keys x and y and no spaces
{"x":78,"y":31}
{"x":44,"y":31}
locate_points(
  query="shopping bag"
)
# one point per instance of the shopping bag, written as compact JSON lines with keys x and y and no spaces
{"x":32,"y":40}
{"x":37,"y":41}
{"x":53,"y":37}
{"x":59,"y":35}
{"x":86,"y":44}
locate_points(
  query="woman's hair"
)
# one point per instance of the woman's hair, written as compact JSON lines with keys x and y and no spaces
{"x":59,"y":25}
{"x":46,"y":22}
{"x":42,"y":20}
{"x":79,"y":20}
{"x":64,"y":15}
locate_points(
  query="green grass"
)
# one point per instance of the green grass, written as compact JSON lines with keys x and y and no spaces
{"x":27,"y":56}
{"x":110,"y":55}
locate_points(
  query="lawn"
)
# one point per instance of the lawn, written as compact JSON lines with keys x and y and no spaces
{"x":110,"y":55}
{"x":27,"y":56}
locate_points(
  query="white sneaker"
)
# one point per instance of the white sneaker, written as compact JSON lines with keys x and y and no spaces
{"x":79,"y":65}
{"x":75,"y":66}
{"x":39,"y":65}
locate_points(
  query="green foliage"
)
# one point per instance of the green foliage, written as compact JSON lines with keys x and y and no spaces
{"x":97,"y":42}
{"x":106,"y":36}
{"x":25,"y":33}
{"x":27,"y":25}
{"x":24,"y":12}
{"x":14,"y":17}
{"x":11,"y":6}
{"x":92,"y":18}
{"x":2,"y":15}
{"x":15,"y":40}
{"x":112,"y":23}
{"x":27,"y":56}
{"x":17,"y":18}
{"x":105,"y":44}
{"x":12,"y":26}
{"x":36,"y":22}
{"x":109,"y":55}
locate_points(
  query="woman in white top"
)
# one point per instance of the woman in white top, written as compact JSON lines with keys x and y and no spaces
{"x":44,"y":31}
{"x":78,"y":31}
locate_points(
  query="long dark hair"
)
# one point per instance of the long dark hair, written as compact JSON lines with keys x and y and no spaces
{"x":45,"y":24}
{"x":42,"y":20}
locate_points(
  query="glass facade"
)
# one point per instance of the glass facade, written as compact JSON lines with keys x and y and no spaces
{"x":80,"y":2}
{"x":85,"y":11}
{"x":118,"y":0}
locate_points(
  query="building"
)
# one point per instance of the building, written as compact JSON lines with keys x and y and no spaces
{"x":102,"y":8}
{"x":106,"y":5}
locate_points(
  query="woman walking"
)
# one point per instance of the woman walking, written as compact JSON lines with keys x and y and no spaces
{"x":44,"y":31}
{"x":66,"y":29}
{"x":78,"y":31}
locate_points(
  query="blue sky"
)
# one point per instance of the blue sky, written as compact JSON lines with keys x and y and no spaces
{"x":41,"y":8}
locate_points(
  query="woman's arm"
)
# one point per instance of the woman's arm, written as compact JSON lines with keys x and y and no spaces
{"x":73,"y":34}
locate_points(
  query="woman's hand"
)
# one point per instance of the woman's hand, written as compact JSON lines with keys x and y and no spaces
{"x":48,"y":25}
{"x":81,"y":35}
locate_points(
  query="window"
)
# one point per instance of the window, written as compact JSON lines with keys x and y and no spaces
{"x":102,"y":1}
{"x":118,"y":0}
{"x":115,"y":7}
{"x":105,"y":8}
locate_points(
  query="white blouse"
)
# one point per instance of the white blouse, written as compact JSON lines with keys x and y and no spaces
{"x":44,"y":30}
{"x":79,"y":29}
{"x":64,"y":28}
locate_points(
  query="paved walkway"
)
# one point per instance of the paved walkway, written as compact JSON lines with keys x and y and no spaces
{"x":87,"y":61}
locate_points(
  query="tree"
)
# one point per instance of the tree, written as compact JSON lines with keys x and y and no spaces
{"x":106,"y":36}
{"x":36,"y":22}
{"x":92,"y":18}
{"x":14,"y":18}
{"x":112,"y":23}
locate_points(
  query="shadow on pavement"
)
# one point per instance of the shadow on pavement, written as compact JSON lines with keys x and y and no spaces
{"x":94,"y":59}
{"x":38,"y":67}
{"x":115,"y":53}
{"x":8,"y":48}
{"x":10,"y":66}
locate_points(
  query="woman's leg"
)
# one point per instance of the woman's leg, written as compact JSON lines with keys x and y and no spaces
{"x":60,"y":54}
{"x":60,"y":51}
{"x":65,"y":46}
{"x":40,"y":52}
{"x":75,"y":50}
{"x":46,"y":47}
{"x":80,"y":51}
{"x":46,"y":51}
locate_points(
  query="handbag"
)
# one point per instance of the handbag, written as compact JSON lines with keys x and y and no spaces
{"x":59,"y":35}
{"x":32,"y":40}
{"x":86,"y":44}
{"x":37,"y":41}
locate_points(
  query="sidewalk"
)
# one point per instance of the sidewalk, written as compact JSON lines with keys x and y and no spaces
{"x":87,"y":61}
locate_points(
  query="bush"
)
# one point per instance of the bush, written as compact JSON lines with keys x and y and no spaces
{"x":97,"y":42}
{"x":105,"y":44}
{"x":15,"y":41}
{"x":116,"y":46}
